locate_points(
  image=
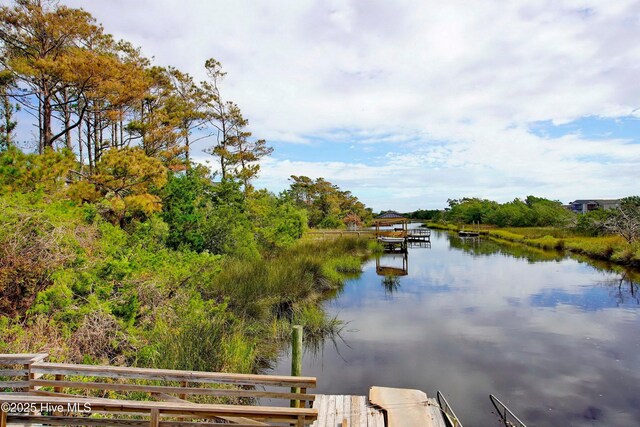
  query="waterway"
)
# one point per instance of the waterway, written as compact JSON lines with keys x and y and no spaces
{"x":555,"y":338}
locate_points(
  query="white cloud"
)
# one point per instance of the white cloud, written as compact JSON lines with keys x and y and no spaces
{"x":471,"y":75}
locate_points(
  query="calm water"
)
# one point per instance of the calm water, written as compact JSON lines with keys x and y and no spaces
{"x":557,"y":340}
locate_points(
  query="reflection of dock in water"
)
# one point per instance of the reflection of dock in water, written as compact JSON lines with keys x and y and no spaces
{"x":419,"y":235}
{"x":392,"y":265}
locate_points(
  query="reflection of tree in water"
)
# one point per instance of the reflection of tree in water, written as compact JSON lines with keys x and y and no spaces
{"x":314,"y":341}
{"x":390,"y":284}
{"x":481,"y":246}
{"x":624,"y":289}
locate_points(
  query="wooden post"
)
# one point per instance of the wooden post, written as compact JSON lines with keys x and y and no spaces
{"x":155,"y":418}
{"x":27,"y":377}
{"x":59,"y":389}
{"x":296,"y":359}
{"x":185,"y":385}
{"x":3,"y":418}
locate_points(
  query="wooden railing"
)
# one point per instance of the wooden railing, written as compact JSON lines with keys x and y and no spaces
{"x":29,"y":380}
{"x":342,"y":233}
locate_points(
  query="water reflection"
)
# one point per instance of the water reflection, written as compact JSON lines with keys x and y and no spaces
{"x":555,"y":338}
{"x":392,"y":264}
{"x":390,"y":284}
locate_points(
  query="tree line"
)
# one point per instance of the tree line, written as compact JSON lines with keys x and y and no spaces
{"x":533,"y":211}
{"x":116,"y":128}
{"x":90,"y":93}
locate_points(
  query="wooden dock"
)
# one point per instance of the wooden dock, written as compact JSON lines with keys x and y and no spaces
{"x":346,"y":411}
{"x":407,"y":408}
{"x":386,"y":407}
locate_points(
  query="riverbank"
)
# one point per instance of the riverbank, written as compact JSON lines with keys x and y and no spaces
{"x":87,"y":291}
{"x":613,"y":249}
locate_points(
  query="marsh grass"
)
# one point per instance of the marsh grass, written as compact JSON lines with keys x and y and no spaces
{"x":246,"y":311}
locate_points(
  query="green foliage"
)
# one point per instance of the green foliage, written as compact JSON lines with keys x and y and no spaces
{"x":278,"y":223}
{"x":325,"y":203}
{"x":20,"y":172}
{"x":532,"y":212}
{"x":36,"y":241}
{"x":184,"y":202}
{"x":469,"y":210}
{"x":426,"y":214}
{"x":131,"y":254}
{"x":592,"y":222}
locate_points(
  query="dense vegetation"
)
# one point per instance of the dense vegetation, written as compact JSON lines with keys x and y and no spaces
{"x":115,"y":246}
{"x":530,"y":212}
{"x":327,"y":206}
{"x":612,"y":235}
{"x":87,"y":290}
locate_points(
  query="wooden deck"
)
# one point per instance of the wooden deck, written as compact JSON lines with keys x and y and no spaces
{"x":407,"y":408}
{"x":386,"y":407}
{"x":346,"y":411}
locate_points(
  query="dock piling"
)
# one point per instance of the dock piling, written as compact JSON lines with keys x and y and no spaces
{"x":296,"y":359}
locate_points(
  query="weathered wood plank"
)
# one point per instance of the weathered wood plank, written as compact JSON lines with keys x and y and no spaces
{"x":404,"y":408}
{"x":171,"y":375}
{"x":352,"y":412}
{"x":346,"y":411}
{"x":355,"y":411}
{"x":155,"y":418}
{"x":339,"y":410}
{"x":14,"y":384}
{"x":22,"y":359}
{"x":13,"y":372}
{"x":28,"y":420}
{"x":320,"y":404}
{"x":331,"y":412}
{"x":279,"y":414}
{"x":375,"y":418}
{"x":437,"y":417}
{"x":174,"y":390}
{"x":233,"y":420}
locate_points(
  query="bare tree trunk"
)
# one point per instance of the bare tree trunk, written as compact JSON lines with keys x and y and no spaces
{"x":67,"y":119}
{"x":80,"y":146}
{"x":46,"y":120}
{"x":96,"y":135}
{"x":89,"y":148}
{"x":121,"y":131}
{"x":40,"y":127}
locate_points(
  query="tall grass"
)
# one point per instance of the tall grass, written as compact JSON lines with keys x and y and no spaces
{"x":247,"y":309}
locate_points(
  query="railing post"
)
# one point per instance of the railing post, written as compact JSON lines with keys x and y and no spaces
{"x":59,"y":389}
{"x":296,"y":359}
{"x":154,"y":420}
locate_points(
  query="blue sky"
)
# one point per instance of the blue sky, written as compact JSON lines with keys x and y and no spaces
{"x":409,"y":103}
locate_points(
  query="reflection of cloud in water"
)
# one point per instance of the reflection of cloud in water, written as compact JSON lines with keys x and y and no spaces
{"x":549,"y":338}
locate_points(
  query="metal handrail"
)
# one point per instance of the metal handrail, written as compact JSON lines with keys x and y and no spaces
{"x":451,"y":417}
{"x":508,"y":418}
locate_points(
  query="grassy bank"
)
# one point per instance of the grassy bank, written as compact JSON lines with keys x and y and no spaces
{"x":608,"y":248}
{"x":92,"y":292}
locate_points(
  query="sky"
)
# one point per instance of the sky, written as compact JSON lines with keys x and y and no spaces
{"x":413,"y":102}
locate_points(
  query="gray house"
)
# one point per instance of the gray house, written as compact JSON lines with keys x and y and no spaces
{"x":587,"y":205}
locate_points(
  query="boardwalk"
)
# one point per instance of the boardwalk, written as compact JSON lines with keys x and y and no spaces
{"x":343,"y":411}
{"x":386,"y":407}
{"x":407,"y":408}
